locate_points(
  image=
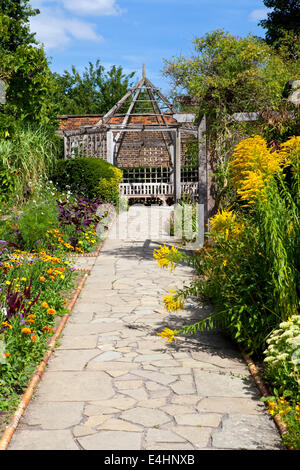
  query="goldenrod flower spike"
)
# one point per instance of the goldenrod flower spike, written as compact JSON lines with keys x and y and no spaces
{"x":169,"y":335}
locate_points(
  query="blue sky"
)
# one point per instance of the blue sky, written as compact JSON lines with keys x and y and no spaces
{"x":132,"y":32}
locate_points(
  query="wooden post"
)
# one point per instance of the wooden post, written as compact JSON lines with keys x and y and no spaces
{"x":172,"y":153}
{"x":177,"y":186}
{"x":202,"y":185}
{"x":110,"y":147}
{"x":65,"y":147}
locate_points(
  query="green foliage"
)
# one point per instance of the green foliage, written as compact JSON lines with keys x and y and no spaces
{"x":292,"y":437}
{"x":230,"y":74}
{"x":108,"y":189}
{"x":282,"y":20}
{"x":226,"y":75}
{"x":234,"y":277}
{"x":85,"y":175}
{"x":25,"y":70}
{"x":36,"y":219}
{"x":14,"y":21}
{"x":94,"y":92}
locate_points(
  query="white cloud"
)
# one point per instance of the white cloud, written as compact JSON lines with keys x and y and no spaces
{"x":93,"y":7}
{"x":55,"y":30}
{"x":258,"y":15}
{"x":83,"y":7}
{"x":58,"y":22}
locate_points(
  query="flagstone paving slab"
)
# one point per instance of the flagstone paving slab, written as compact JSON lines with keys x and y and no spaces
{"x":112,"y":440}
{"x":113,"y":384}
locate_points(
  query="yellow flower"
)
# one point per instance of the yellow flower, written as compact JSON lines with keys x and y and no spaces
{"x":168,"y":334}
{"x":253,"y":166}
{"x":166,"y":257}
{"x":45,"y":305}
{"x":222,"y":221}
{"x":172,"y":303}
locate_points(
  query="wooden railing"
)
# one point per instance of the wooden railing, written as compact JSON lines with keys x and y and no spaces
{"x":155,"y":189}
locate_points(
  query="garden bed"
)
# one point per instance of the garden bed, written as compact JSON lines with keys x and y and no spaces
{"x":39,"y":286}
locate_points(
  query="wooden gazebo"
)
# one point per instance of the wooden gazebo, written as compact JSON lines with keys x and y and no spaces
{"x":160,"y":150}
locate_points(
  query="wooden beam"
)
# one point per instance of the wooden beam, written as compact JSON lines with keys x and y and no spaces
{"x":162,"y":97}
{"x":118,"y":105}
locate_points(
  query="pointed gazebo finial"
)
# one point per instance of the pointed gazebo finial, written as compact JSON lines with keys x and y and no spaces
{"x":144,"y":71}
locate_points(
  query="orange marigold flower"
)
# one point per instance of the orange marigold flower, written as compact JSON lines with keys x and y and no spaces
{"x":45,"y":305}
{"x":47,"y":328}
{"x":51,"y":311}
{"x":26,"y":330}
{"x":33,"y":338}
{"x":42,"y":278}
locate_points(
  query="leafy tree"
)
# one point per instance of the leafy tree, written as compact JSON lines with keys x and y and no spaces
{"x":24,"y":68}
{"x":228,"y":75}
{"x":14,"y":24}
{"x":283,"y":22}
{"x":95,"y":91}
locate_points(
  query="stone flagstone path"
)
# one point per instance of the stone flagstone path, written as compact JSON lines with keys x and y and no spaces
{"x":113,"y":384}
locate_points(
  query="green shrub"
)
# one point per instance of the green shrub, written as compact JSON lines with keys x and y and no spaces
{"x":84,"y":174}
{"x":108,"y":189}
{"x":34,"y":223}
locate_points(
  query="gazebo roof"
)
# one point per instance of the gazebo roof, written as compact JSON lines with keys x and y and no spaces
{"x":143,"y":99}
{"x":142,"y":107}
